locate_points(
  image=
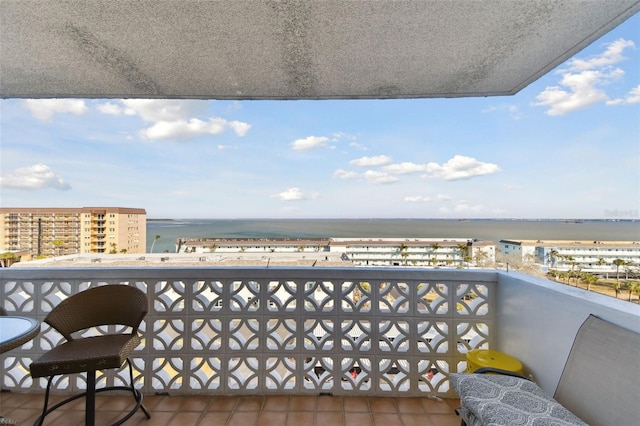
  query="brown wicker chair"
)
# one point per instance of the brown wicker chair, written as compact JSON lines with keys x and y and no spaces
{"x":114,"y":306}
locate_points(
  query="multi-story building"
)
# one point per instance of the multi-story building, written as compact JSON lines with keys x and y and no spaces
{"x":250,"y":245}
{"x":62,"y":231}
{"x":598,"y":257}
{"x":432,"y":252}
{"x":362,"y":252}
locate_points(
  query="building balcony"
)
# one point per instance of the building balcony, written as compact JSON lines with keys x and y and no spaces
{"x":318,"y":337}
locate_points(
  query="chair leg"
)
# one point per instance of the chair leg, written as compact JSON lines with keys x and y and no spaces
{"x":90,"y":396}
{"x":90,"y":399}
{"x":136,"y":394}
{"x":46,"y":402}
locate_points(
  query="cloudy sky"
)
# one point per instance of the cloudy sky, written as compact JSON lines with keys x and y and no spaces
{"x":567,"y":146}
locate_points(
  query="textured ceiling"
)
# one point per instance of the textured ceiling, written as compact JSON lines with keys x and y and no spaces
{"x":291,"y":49}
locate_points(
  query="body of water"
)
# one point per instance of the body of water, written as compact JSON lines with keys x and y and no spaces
{"x":481,"y":229}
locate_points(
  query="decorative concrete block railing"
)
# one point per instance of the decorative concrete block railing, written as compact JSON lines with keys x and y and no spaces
{"x":366,"y":331}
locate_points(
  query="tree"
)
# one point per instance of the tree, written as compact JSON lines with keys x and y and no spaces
{"x":590,"y":279}
{"x":618,"y":262}
{"x":553,"y":256}
{"x":434,"y":249}
{"x":154,"y":243}
{"x":634,"y":288}
{"x":58,"y":245}
{"x":403,"y":252}
{"x":7,"y":259}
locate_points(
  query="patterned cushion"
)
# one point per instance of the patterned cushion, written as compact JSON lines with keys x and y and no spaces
{"x":503,"y":400}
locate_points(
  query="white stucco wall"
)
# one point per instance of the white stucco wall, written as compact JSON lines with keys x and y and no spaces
{"x":538,"y":320}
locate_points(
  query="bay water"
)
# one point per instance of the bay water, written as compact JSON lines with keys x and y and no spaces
{"x":495,"y":230}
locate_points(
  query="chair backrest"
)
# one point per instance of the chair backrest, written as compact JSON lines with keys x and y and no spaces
{"x":599,"y":382}
{"x":104,"y":305}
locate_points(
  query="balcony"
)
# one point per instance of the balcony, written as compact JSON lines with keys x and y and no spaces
{"x":286,"y":335}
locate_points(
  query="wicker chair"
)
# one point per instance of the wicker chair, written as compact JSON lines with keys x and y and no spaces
{"x":113,"y":306}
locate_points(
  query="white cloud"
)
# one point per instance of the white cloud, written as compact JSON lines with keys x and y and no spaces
{"x":513,"y":110}
{"x":294,"y":194}
{"x":633,"y":97}
{"x":611,"y":56}
{"x":38,"y":176}
{"x":463,"y":207}
{"x":182,"y":129}
{"x":378,"y":160}
{"x":418,"y":199}
{"x":309,"y":142}
{"x":376,"y":177}
{"x":582,"y":91}
{"x":357,"y":146}
{"x":155,"y":110}
{"x":460,"y":167}
{"x":173,"y":119}
{"x":44,"y":109}
{"x":581,"y":83}
{"x":239,"y":127}
{"x":110,"y":109}
{"x":345,"y":174}
{"x":405,"y":168}
{"x":426,"y":199}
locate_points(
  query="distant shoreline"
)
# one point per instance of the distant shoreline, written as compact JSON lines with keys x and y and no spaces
{"x":404,"y":219}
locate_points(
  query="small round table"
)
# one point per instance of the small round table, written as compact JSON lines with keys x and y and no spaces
{"x":16,"y":331}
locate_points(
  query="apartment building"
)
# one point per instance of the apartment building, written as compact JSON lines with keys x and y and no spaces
{"x":62,"y":231}
{"x":589,"y":256}
{"x":361,"y":252}
{"x":434,"y":252}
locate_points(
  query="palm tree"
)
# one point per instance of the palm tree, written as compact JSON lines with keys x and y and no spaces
{"x":618,"y":262}
{"x":403,"y":252}
{"x":464,"y":252}
{"x":434,"y":249}
{"x":634,"y":288}
{"x":154,"y":243}
{"x":553,"y":255}
{"x":589,"y":279}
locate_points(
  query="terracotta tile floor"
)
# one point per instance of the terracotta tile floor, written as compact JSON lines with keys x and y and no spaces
{"x":243,"y":411}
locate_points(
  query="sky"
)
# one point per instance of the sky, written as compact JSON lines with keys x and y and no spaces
{"x":566,"y":146}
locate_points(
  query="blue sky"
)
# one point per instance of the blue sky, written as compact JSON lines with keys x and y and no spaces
{"x":567,"y":146}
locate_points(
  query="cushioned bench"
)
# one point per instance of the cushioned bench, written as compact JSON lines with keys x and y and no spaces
{"x":600,"y":385}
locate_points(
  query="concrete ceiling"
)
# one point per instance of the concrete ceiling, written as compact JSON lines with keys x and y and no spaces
{"x":291,"y":49}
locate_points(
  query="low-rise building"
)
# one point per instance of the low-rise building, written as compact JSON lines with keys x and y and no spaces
{"x":597,"y":257}
{"x":64,"y":231}
{"x":359,"y":251}
{"x":433,"y":252}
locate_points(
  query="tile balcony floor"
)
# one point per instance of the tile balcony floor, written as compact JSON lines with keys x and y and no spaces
{"x":242,"y":411}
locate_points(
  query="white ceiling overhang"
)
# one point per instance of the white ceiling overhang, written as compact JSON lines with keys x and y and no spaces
{"x":291,"y":49}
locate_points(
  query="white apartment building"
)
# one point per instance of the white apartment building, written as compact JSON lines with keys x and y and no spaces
{"x":63,"y":231}
{"x":589,"y":256}
{"x":361,"y":252}
{"x":251,"y":245}
{"x":433,"y":252}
